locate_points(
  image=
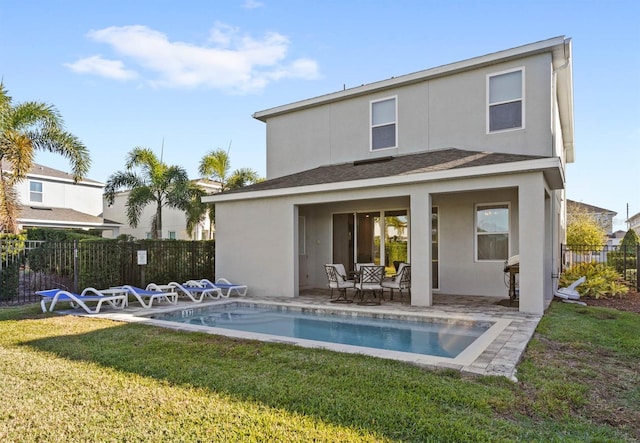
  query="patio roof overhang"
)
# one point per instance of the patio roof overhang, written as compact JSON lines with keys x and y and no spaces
{"x":551,"y":167}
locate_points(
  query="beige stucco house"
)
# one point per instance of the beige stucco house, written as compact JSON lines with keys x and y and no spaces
{"x":174,"y":224}
{"x":467,"y":159}
{"x":50,"y":198}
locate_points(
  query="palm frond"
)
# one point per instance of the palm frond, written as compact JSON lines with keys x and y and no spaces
{"x":215,"y":164}
{"x":138,"y":199}
{"x":119,"y":181}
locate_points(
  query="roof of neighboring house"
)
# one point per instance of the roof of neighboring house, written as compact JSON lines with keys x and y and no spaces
{"x":588,"y":208}
{"x":633,"y":218}
{"x":45,"y":171}
{"x":31,"y":214}
{"x":430,"y":161}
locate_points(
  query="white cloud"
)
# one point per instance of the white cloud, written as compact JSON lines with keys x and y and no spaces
{"x":252,"y":4}
{"x":106,"y":68}
{"x":230,"y":60}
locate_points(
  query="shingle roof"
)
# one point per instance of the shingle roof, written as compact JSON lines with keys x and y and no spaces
{"x":59,"y":215}
{"x":37,"y":169}
{"x":588,"y":208}
{"x":430,"y":161}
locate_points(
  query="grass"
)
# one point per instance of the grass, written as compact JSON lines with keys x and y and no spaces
{"x":65,"y":378}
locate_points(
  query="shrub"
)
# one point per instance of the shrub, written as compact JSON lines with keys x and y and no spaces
{"x":601,"y":280}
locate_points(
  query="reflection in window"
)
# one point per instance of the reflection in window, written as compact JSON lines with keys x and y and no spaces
{"x":492,"y":232}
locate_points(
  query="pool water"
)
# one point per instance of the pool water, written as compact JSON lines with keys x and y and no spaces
{"x":437,"y":338}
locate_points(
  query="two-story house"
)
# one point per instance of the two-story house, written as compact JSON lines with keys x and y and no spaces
{"x":49,"y":198}
{"x":470,"y":156}
{"x":174,"y":225}
{"x":604,"y":217}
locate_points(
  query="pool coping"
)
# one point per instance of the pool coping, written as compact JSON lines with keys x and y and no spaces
{"x":496,"y":352}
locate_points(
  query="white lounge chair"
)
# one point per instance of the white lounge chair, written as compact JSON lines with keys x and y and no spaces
{"x":570,"y":294}
{"x":226,"y":285}
{"x":150,"y":294}
{"x":192,"y":289}
{"x":53,"y":296}
{"x":402,"y":280}
{"x":338,"y":280}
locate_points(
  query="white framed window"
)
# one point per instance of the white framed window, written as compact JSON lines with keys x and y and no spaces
{"x":492,"y":231}
{"x":302,"y":226}
{"x":148,"y":235}
{"x":384,"y":125}
{"x":505,"y":100}
{"x":35,"y":191}
{"x":172,"y":235}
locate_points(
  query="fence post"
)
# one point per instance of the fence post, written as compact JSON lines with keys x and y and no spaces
{"x":75,"y":265}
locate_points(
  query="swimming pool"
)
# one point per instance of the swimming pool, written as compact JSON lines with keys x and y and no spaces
{"x":412,"y":338}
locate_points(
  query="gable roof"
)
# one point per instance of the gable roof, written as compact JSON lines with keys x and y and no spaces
{"x":387,"y":167}
{"x":41,"y":171}
{"x":588,"y":208}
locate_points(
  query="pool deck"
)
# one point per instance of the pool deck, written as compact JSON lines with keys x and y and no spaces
{"x":497,"y":354}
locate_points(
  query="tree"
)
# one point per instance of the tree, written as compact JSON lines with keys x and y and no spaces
{"x":216,"y":165}
{"x":630,"y":242}
{"x":24,"y":129}
{"x":584,"y":230}
{"x":151,"y":181}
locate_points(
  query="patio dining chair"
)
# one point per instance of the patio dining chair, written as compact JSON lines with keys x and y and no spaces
{"x":337,"y":277}
{"x":401,"y":281}
{"x":370,"y":282}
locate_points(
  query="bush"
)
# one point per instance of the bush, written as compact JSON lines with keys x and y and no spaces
{"x":601,"y":280}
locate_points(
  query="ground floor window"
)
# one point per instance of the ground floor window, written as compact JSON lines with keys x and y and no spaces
{"x":492,"y":232}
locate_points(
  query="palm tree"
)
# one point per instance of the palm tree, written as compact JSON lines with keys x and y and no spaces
{"x":216,"y":165}
{"x":152,"y":181}
{"x":25,"y":128}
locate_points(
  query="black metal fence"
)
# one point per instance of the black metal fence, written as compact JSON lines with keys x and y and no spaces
{"x":30,"y":266}
{"x":625,"y":261}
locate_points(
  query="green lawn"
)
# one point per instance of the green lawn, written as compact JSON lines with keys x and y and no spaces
{"x":67,"y":379}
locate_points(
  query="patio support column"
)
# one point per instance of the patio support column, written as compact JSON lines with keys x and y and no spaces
{"x":420,"y":223}
{"x":532,"y":234}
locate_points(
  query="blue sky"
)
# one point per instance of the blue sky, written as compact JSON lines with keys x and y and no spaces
{"x":191,"y":73}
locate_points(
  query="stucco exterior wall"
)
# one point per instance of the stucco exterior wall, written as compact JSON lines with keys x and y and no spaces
{"x":437,"y":113}
{"x":263,"y":251}
{"x":173,"y":220}
{"x":58,"y":194}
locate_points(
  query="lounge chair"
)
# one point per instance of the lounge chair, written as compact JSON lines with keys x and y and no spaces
{"x":53,"y":296}
{"x":226,"y":286}
{"x":402,"y":280}
{"x":192,"y":289}
{"x":337,"y":277}
{"x":150,"y":294}
{"x":570,"y":294}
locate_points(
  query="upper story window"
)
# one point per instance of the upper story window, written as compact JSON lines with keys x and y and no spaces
{"x":492,"y":232}
{"x":35,"y":192}
{"x":505,"y":100}
{"x":384,"y":132}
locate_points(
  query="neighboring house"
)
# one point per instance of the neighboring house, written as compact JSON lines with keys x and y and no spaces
{"x":604,"y":217}
{"x":174,"y":224}
{"x":634,"y":222}
{"x":50,"y":199}
{"x":472,"y":153}
{"x":615,"y":238}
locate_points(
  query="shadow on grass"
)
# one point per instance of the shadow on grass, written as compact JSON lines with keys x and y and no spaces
{"x":385,"y":397}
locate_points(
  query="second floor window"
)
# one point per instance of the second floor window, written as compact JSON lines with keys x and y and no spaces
{"x":505,"y":101}
{"x":384,"y":133}
{"x":35,"y":192}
